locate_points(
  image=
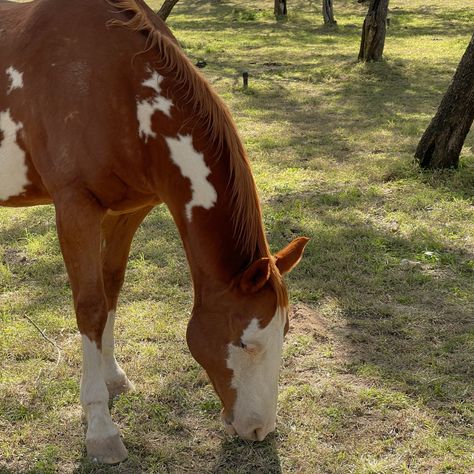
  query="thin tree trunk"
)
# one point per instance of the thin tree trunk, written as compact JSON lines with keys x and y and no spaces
{"x":280,"y":9}
{"x":442,"y":142}
{"x":328,"y":13}
{"x":166,"y":8}
{"x":373,"y":31}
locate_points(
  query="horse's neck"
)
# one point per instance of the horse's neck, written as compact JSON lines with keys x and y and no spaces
{"x":214,"y":250}
{"x":195,"y":180}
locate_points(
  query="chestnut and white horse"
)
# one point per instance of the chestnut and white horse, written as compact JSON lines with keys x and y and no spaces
{"x":102,"y":115}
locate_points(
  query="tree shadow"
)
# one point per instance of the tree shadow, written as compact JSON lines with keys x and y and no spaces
{"x":435,"y":21}
{"x":409,"y":321}
{"x":250,"y":19}
{"x":384,"y":93}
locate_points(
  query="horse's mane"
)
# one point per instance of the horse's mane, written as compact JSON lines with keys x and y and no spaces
{"x":221,"y":129}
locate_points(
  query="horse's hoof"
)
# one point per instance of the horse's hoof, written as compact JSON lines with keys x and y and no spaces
{"x":117,"y":387}
{"x":109,"y":450}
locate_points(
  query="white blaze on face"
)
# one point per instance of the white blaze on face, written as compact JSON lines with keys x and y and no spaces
{"x":255,"y":376}
{"x":16,"y":79}
{"x":13,"y":169}
{"x":192,"y":166}
{"x":146,"y":108}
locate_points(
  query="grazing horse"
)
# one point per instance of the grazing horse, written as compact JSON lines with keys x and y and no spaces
{"x":102,"y":115}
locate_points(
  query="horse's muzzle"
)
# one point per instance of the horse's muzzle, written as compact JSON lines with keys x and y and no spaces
{"x":256,"y":431}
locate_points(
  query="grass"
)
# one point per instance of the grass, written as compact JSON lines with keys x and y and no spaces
{"x":378,"y":367}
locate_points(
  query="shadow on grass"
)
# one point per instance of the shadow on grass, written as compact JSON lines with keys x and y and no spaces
{"x":389,"y":94}
{"x":236,"y":457}
{"x":249,"y":18}
{"x":242,"y":457}
{"x":44,"y":274}
{"x":383,"y":101}
{"x":437,"y":22}
{"x":412,"y":323}
{"x":158,"y":428}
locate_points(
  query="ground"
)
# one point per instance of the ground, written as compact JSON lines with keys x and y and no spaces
{"x":378,"y":366}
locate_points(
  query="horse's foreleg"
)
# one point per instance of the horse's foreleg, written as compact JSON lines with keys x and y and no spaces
{"x":79,"y":220}
{"x":115,"y":378}
{"x":117,"y":235}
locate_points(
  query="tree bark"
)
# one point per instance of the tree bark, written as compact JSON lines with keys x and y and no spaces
{"x":442,"y":142}
{"x":328,"y":13}
{"x":373,"y":31}
{"x":166,"y":8}
{"x":280,"y":8}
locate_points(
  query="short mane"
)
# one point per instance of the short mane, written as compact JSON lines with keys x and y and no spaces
{"x":248,"y":227}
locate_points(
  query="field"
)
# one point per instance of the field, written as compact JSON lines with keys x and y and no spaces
{"x":378,"y":366}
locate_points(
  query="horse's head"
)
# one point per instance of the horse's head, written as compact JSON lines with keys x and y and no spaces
{"x":237,"y":336}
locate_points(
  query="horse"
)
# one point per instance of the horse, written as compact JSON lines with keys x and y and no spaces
{"x":103,"y":116}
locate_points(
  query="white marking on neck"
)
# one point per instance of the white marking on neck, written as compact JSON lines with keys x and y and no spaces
{"x":255,"y":374}
{"x":192,"y":166}
{"x":146,"y":108}
{"x":13,"y":169}
{"x":16,"y":79}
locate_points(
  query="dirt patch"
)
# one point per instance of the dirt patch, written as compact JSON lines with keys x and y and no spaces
{"x":13,"y":256}
{"x":308,"y":321}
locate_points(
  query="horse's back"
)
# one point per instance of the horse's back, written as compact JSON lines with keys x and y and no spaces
{"x":76,"y":97}
{"x":6,"y":5}
{"x":11,"y":15}
{"x":76,"y":13}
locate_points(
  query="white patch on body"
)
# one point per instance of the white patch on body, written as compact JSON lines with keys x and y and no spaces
{"x":192,"y":166}
{"x":16,"y":79}
{"x":94,"y":394}
{"x":255,"y":376}
{"x":13,"y":169}
{"x":146,"y":108}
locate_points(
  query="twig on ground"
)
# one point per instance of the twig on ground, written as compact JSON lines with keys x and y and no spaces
{"x":58,"y":349}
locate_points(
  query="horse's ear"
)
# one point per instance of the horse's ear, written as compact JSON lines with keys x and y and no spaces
{"x":255,"y":276}
{"x":287,"y":258}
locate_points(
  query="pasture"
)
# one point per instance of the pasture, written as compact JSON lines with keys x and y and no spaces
{"x":378,"y":365}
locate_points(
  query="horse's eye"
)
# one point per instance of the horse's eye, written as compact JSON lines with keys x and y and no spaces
{"x":242,"y":345}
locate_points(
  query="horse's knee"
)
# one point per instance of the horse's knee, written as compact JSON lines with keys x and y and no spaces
{"x":91,"y":314}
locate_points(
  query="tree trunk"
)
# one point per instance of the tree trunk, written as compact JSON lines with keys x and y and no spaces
{"x":373,"y":31}
{"x":166,"y":8}
{"x":328,"y":13}
{"x":442,"y":142}
{"x":280,"y":9}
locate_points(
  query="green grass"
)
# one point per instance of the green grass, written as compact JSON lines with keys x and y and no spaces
{"x":378,"y":366}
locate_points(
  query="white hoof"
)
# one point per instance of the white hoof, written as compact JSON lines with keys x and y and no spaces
{"x":117,"y":387}
{"x":110,"y":450}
